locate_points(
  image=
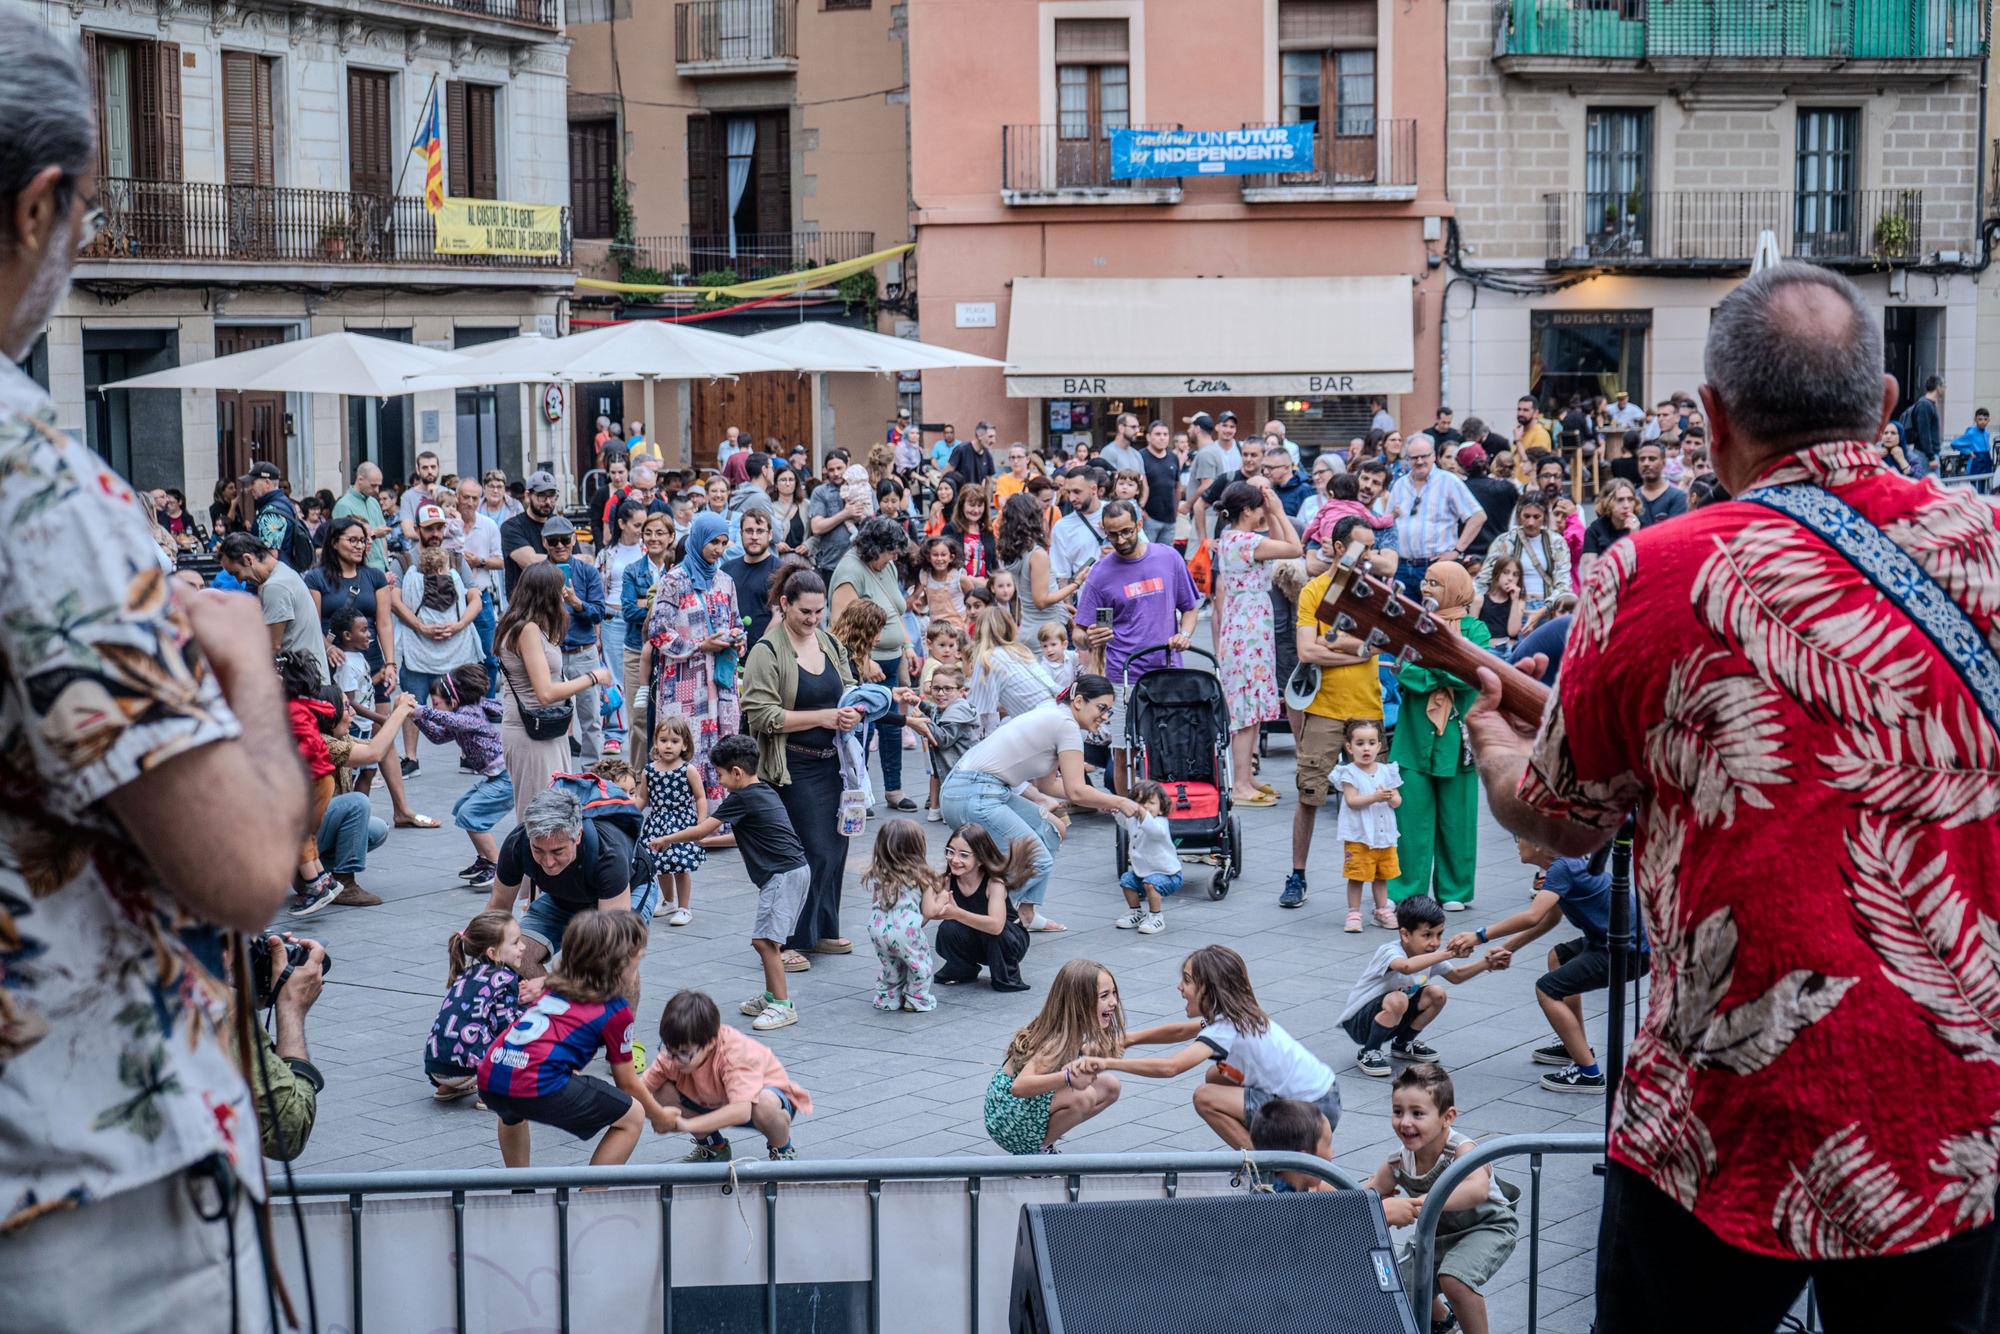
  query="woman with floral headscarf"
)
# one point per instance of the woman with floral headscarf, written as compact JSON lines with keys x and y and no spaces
{"x":696,"y":635}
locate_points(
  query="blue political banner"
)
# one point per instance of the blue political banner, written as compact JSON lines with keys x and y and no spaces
{"x":1246,"y":152}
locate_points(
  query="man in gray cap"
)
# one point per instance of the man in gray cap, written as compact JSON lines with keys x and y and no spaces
{"x":521,"y":537}
{"x":583,"y":594}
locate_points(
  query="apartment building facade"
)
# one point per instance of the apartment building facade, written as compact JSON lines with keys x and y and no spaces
{"x":718,"y":139}
{"x":256,"y":177}
{"x":1614,"y":163}
{"x":1294,"y":294}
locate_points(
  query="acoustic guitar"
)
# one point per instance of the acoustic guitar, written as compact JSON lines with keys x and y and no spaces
{"x":1359,"y":602}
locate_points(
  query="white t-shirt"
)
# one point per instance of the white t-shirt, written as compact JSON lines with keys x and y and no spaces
{"x":482,"y":540}
{"x":1024,"y":748}
{"x":1273,"y":1060}
{"x":351,"y":680}
{"x":1626,"y":416}
{"x":614,"y":575}
{"x":1372,"y":826}
{"x":1377,"y":981}
{"x":1151,"y":847}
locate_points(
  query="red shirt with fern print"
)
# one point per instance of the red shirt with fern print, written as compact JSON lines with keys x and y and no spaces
{"x":1818,"y":863}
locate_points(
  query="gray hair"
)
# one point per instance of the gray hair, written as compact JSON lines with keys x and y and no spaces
{"x":1779,"y":368}
{"x":45,"y":103}
{"x":645,"y":471}
{"x":552,"y":812}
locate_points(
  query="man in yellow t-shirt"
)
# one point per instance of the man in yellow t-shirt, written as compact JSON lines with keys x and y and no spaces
{"x":1350,"y":691}
{"x":1529,"y":433}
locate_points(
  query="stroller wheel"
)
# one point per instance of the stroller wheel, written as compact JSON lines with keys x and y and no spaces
{"x":1218,"y":884}
{"x":1124,"y":850}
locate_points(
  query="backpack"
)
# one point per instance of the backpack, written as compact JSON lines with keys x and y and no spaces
{"x":602,"y":800}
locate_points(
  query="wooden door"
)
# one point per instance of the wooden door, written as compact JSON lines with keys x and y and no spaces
{"x":773,"y":403}
{"x":371,"y":165}
{"x":1092,"y":100}
{"x":248,"y":154}
{"x":249,"y":427}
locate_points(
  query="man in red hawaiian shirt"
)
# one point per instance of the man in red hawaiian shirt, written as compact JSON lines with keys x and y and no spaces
{"x":1816,"y":1089}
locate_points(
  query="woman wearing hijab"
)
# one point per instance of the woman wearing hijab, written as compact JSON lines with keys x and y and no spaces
{"x":696,"y":632}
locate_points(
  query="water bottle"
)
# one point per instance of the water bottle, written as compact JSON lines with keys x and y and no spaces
{"x":853,"y":812}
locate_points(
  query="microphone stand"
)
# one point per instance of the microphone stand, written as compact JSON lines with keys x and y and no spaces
{"x":1624,"y":939}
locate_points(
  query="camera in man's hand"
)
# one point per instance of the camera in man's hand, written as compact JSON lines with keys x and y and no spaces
{"x":297,"y":953}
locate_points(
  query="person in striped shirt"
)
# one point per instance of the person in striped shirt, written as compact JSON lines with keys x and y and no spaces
{"x":1437,"y":516}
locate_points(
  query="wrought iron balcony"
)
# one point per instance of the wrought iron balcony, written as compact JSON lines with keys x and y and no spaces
{"x":1070,"y":163}
{"x":1718,"y":229}
{"x":1376,"y":160}
{"x":1755,"y":31}
{"x":533,"y":13}
{"x":174,"y":221}
{"x":755,"y":255}
{"x":736,"y":37}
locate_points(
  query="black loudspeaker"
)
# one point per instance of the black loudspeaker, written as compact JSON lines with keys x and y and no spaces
{"x":1319,"y":1261}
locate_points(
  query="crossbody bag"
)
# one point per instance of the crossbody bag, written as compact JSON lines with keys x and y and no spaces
{"x":543,"y":722}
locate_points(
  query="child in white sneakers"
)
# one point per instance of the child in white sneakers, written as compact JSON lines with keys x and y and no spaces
{"x":1369,"y":797}
{"x":1154,"y":866}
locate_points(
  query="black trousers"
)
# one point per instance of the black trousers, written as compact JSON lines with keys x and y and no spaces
{"x":1659,"y":1270}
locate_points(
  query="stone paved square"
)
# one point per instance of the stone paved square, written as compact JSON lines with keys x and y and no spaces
{"x":911,"y":1085}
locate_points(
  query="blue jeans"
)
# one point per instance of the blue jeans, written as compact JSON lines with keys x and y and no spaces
{"x":348,"y":833}
{"x":1410,"y":575}
{"x":483,"y":623}
{"x":889,"y":727}
{"x":984,"y":800}
{"x":545,"y":920}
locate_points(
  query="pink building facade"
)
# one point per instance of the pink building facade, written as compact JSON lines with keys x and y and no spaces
{"x":1295,"y":295}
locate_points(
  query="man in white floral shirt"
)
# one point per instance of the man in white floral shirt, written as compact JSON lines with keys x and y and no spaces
{"x":123,"y":1117}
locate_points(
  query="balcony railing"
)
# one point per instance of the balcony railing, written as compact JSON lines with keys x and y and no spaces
{"x":1720,"y":227}
{"x":757,"y":254}
{"x":157,"y":221}
{"x":1374,"y":156}
{"x":1744,"y":29}
{"x":734,"y":34}
{"x":1054,"y":161}
{"x":534,"y":13}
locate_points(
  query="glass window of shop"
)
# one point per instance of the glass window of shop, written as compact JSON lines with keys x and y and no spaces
{"x":1586,"y":352}
{"x":1068,"y":422}
{"x":1314,"y":424}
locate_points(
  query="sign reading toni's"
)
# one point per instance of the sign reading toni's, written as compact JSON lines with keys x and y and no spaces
{"x":1158,"y":153}
{"x":491,"y":227}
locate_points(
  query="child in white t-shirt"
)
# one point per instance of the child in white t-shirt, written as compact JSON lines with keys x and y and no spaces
{"x":352,"y":680}
{"x":1153,"y":863}
{"x":1369,"y":796}
{"x":1397,"y":995}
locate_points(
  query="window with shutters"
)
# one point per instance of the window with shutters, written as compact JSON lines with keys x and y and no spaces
{"x":592,"y":164}
{"x":137,"y":88}
{"x":1326,"y":72}
{"x":371,"y":164}
{"x":740,"y":191}
{"x":471,"y":168}
{"x":846,"y":4}
{"x":1093,"y":97}
{"x":247,"y":154}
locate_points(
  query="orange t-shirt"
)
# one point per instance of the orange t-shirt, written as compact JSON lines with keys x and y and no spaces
{"x":1005,"y":485}
{"x":737,"y":1070}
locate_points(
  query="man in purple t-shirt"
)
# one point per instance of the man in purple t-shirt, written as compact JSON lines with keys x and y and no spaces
{"x":1151,"y":599}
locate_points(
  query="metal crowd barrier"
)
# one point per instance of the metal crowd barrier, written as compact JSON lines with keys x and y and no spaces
{"x":757,"y":1179}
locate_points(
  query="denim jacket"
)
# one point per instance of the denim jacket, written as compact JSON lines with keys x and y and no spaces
{"x":635,"y":604}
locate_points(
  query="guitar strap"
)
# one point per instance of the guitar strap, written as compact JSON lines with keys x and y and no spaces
{"x":1897,"y":577}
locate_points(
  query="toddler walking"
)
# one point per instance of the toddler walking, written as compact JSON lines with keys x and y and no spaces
{"x":674,"y":800}
{"x":1153,"y":864}
{"x":461,"y":713}
{"x":1369,"y":797}
{"x":483,"y":997}
{"x":907,"y":894}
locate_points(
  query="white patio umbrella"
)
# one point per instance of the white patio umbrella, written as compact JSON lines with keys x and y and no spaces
{"x":822,"y":348}
{"x":644,"y":350}
{"x":334,"y":363}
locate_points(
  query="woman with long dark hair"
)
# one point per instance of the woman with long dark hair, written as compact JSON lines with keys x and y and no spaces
{"x":788,"y":514}
{"x":1024,"y":553}
{"x":527,"y":640}
{"x":868,"y":570}
{"x":793,"y":680}
{"x":1254,"y":532}
{"x":980,"y":928}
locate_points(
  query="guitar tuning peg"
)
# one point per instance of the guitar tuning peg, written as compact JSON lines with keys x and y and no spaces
{"x":1376,"y":641}
{"x":1426,"y":624}
{"x":1344,"y":623}
{"x":1408,"y":656}
{"x":1362,"y":590}
{"x":1392,"y":607}
{"x":1430,"y":604}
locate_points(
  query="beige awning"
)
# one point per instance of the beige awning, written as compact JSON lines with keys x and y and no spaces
{"x":1170,"y":337}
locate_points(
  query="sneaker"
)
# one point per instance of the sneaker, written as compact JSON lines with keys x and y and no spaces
{"x":613,"y":746}
{"x":785,"y":1155}
{"x":309,"y":901}
{"x":1153,"y":925}
{"x":451,"y":1090}
{"x":467,"y":767}
{"x":1372,"y":1063}
{"x":354,"y":896}
{"x":934,"y":815}
{"x":755,"y":1005}
{"x":1295,"y":891}
{"x":679,"y":917}
{"x":1455,"y":906}
{"x":638,"y":1058}
{"x":1385,"y":917}
{"x":1353,"y":926}
{"x":778,"y":1014}
{"x":482,"y":877}
{"x":1571,"y":1079}
{"x":409,"y":767}
{"x":472,"y":870}
{"x":705,"y":1152}
{"x":1412,"y":1049}
{"x":1557,"y":1055}
{"x":1133,"y":917}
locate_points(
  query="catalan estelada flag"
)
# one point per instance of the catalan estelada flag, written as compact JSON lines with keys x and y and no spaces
{"x":428,"y":144}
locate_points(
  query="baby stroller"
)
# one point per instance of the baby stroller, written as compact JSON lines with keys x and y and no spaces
{"x":1177,"y":733}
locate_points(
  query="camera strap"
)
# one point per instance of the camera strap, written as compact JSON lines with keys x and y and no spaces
{"x":249,"y":1060}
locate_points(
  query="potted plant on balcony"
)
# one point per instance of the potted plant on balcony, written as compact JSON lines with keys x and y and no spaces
{"x":1892,"y":235}
{"x":333,"y":239}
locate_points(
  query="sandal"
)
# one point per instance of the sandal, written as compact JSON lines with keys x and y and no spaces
{"x":794,"y":961}
{"x":1353,"y":926}
{"x":1261,"y":799}
{"x":418,"y":822}
{"x":1043,"y":923}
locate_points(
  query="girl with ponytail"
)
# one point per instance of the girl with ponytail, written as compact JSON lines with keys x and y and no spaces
{"x":484,"y":995}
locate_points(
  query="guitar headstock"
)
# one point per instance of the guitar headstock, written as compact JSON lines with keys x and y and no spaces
{"x":1374,"y":608}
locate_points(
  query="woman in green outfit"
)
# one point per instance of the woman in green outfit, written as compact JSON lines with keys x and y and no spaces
{"x":1437,"y":826}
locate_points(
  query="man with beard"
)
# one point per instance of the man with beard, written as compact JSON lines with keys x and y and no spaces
{"x":521,"y":536}
{"x":752,"y":571}
{"x":419,"y":493}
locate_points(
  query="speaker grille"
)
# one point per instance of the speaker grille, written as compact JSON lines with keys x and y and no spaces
{"x":1314,"y":1261}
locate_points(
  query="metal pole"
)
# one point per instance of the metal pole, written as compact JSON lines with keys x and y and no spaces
{"x":1624,"y":941}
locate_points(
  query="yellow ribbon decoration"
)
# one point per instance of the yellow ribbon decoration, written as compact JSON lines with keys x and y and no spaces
{"x":784,"y":284}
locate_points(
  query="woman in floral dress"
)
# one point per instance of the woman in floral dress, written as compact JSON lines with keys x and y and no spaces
{"x":1255,"y":531}
{"x":696,"y":634}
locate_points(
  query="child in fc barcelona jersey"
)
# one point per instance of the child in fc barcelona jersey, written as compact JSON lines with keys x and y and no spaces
{"x":531,"y":1072}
